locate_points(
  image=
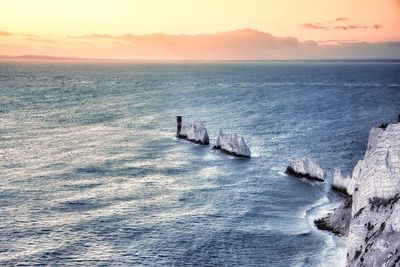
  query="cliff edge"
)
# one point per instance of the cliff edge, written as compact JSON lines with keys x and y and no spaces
{"x":374,"y":223}
{"x":374,"y":232}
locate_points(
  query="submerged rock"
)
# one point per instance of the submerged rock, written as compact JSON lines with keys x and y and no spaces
{"x":232,"y":144}
{"x":307,"y":168}
{"x":342,"y":184}
{"x":195,"y":132}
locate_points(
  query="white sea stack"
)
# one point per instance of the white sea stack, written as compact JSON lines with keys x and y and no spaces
{"x":307,"y":168}
{"x":195,"y":132}
{"x":233,"y":144}
{"x":343,"y":184}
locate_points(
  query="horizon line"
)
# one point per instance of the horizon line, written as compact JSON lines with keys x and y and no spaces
{"x":34,"y":57}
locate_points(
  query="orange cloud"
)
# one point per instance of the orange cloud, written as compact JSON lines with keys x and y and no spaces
{"x":342,"y":19}
{"x":358,"y":27}
{"x":92,"y":36}
{"x":3,"y":33}
{"x":244,"y":36}
{"x":338,"y":41}
{"x":40,"y":40}
{"x":316,"y":26}
{"x":324,"y":26}
{"x":245,"y":44}
{"x":28,"y":35}
{"x":239,"y":44}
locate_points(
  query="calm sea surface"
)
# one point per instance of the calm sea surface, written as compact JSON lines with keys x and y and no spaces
{"x":91,"y":173}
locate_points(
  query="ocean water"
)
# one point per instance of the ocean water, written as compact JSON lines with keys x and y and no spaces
{"x":92,"y":175}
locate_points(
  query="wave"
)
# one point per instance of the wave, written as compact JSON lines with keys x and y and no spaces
{"x":334,"y":251}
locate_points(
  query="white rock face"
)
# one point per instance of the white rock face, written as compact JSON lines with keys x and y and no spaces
{"x":374,"y":234}
{"x":342,"y":183}
{"x":233,"y":144}
{"x":305,"y":167}
{"x":195,"y":132}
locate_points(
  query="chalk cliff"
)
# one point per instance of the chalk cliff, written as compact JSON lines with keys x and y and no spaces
{"x":374,"y":224}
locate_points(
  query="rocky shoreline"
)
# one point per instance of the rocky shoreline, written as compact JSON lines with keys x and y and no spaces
{"x":338,"y":221}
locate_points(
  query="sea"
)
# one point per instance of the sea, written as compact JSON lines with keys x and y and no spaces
{"x":91,"y":173}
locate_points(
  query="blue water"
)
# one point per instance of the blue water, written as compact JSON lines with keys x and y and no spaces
{"x":91,"y":173}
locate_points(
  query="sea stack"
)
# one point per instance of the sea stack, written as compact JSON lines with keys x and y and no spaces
{"x":232,"y":144}
{"x":195,"y":132}
{"x":342,"y":184}
{"x":374,"y":223}
{"x":306,"y":168}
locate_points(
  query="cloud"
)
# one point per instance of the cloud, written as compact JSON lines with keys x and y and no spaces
{"x":342,"y":19}
{"x":357,"y":27}
{"x":28,"y":35}
{"x":91,"y":36}
{"x":3,"y":33}
{"x":316,"y":26}
{"x":337,"y":41}
{"x":236,"y":45}
{"x":244,"y":37}
{"x":245,"y":44}
{"x":361,"y":50}
{"x":40,"y":40}
{"x":334,"y":25}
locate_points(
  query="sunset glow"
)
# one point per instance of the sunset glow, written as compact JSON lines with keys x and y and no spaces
{"x":178,"y":29}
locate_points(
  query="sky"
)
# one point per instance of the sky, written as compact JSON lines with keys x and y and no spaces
{"x":201,"y":30}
